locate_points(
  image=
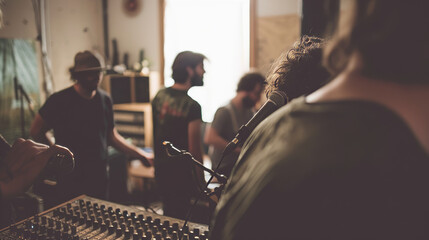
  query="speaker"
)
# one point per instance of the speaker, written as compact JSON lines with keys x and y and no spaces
{"x":127,"y":89}
{"x":141,"y":89}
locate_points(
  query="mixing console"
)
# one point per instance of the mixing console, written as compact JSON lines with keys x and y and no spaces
{"x":90,"y":218}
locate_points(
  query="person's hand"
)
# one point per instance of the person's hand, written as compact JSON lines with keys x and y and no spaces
{"x":146,"y":158}
{"x":23,"y":164}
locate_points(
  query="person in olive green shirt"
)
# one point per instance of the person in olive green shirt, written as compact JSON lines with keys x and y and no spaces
{"x":349,"y":161}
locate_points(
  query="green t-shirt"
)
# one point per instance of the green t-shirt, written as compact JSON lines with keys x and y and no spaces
{"x":337,"y":170}
{"x":172,"y":111}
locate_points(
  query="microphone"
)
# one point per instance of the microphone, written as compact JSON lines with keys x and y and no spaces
{"x":275,"y":101}
{"x":172,"y":151}
{"x":15,"y":85}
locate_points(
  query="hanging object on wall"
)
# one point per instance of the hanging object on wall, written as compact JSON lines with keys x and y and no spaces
{"x":132,"y":7}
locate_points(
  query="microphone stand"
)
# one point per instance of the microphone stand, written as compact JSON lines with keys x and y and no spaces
{"x":21,"y":95}
{"x":222,"y":179}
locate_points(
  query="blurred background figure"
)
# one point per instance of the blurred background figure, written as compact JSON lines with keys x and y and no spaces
{"x":229,"y":118}
{"x":177,"y":119}
{"x":82,"y":119}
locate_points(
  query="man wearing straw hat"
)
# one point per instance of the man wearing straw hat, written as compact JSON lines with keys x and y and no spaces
{"x":82,"y":119}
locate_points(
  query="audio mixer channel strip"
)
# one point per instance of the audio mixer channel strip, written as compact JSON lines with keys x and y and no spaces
{"x":90,"y":218}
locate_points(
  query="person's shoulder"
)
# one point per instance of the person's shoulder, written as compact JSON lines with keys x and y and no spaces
{"x":64,"y":93}
{"x":160,"y":93}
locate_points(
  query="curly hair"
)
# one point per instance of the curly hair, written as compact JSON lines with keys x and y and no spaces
{"x":299,"y":71}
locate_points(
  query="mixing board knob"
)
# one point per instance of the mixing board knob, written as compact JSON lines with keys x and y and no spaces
{"x":58,"y":225}
{"x":50,"y":231}
{"x":115,"y":224}
{"x":118,"y":232}
{"x":131,"y":228}
{"x":158,"y":236}
{"x":127,"y":234}
{"x":123,"y":226}
{"x":140,"y":217}
{"x":57,"y":234}
{"x":129,"y":222}
{"x":75,"y":218}
{"x":157,"y":221}
{"x":164,"y":232}
{"x":73,"y":229}
{"x":36,"y":226}
{"x":174,"y":235}
{"x":149,"y":234}
{"x":185,"y":236}
{"x":146,"y":226}
{"x":111,"y":229}
{"x":81,"y":220}
{"x":43,"y":218}
{"x":50,"y":222}
{"x":95,"y":225}
{"x":107,"y":221}
{"x":103,"y":227}
{"x":133,"y":214}
{"x":166,"y":224}
{"x":88,"y":222}
{"x":136,"y":236}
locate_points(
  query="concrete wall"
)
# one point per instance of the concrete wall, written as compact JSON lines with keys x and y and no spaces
{"x":72,"y":26}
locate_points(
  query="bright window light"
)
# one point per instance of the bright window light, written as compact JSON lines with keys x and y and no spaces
{"x":219,"y":29}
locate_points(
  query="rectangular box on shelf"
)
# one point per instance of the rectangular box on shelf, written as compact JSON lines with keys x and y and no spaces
{"x":134,"y":120}
{"x":127,"y":89}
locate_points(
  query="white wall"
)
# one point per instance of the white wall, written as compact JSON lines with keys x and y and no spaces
{"x":136,"y":32}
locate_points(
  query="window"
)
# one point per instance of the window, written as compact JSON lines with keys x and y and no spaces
{"x":219,"y":29}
